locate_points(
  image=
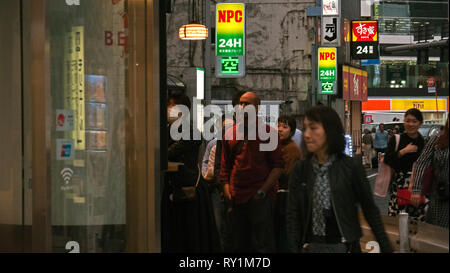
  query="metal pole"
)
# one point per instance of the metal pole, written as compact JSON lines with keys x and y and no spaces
{"x":437,"y":109}
{"x":403,"y":232}
{"x":314,"y":67}
{"x":207,"y":60}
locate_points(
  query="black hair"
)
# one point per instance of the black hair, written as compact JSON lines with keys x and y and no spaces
{"x":180,"y":99}
{"x":331,"y":124}
{"x":415,"y":113}
{"x":289,"y":121}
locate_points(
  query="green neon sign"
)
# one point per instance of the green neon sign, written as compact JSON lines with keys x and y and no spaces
{"x":327,"y":87}
{"x":230,"y":65}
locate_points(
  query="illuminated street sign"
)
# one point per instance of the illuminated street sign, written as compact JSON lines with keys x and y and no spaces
{"x":327,"y":72}
{"x":327,"y":87}
{"x":230,"y":29}
{"x":230,"y":40}
{"x":327,"y":64}
{"x":365,"y":40}
{"x":230,"y":65}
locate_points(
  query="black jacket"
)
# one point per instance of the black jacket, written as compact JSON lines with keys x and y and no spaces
{"x":349,"y":187}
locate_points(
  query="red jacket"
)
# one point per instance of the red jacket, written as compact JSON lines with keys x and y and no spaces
{"x":250,"y":168}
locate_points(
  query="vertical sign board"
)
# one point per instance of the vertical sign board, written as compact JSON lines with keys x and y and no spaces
{"x":355,"y":84}
{"x":327,"y":70}
{"x":230,"y":40}
{"x":331,"y":31}
{"x":364,"y":90}
{"x":365,"y":40}
{"x":330,"y":7}
{"x":345,"y":82}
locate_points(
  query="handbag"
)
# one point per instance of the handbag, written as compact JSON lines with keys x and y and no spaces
{"x":187,"y":193}
{"x":384,"y":174}
{"x":404,"y":197}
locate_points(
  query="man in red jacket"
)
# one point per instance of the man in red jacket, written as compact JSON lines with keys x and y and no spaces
{"x":249,"y":175}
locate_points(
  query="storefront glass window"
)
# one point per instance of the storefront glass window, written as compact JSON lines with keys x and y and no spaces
{"x":407,"y":74}
{"x":87,"y":45}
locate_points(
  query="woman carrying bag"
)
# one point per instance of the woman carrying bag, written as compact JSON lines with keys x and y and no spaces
{"x":435,"y":154}
{"x":325,"y":189}
{"x":401,"y":160}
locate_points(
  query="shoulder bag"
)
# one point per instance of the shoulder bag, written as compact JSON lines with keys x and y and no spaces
{"x":384,"y":174}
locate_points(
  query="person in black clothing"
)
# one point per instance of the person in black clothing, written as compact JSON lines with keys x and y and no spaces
{"x":187,"y":225}
{"x":325,"y":189}
{"x":401,"y":160}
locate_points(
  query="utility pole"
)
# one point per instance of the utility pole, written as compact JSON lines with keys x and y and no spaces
{"x":207,"y":60}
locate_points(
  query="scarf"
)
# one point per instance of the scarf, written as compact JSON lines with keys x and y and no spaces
{"x":321,"y":195}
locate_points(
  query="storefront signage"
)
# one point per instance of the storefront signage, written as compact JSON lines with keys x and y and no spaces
{"x":354,"y":84}
{"x":327,"y":72}
{"x":230,"y":40}
{"x":404,"y":105}
{"x":327,"y":64}
{"x":365,"y":40}
{"x":230,"y":29}
{"x":330,"y":7}
{"x":422,"y":105}
{"x":331,"y":31}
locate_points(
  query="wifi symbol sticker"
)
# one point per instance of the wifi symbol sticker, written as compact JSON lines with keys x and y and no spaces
{"x":67,"y":173}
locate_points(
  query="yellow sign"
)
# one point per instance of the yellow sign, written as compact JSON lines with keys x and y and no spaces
{"x":230,"y":29}
{"x":327,"y":64}
{"x":75,"y":81}
{"x":422,"y":105}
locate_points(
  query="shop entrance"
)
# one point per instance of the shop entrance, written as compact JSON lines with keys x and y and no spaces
{"x":80,"y":122}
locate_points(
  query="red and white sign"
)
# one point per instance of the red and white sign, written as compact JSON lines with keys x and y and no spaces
{"x":64,"y":120}
{"x":368,"y":119}
{"x":354,"y":84}
{"x":364,"y":31}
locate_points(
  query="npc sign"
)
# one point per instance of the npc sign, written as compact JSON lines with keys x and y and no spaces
{"x":327,"y":70}
{"x":230,"y":40}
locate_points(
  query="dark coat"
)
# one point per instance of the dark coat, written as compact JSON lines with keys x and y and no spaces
{"x":349,"y":187}
{"x":189,"y":226}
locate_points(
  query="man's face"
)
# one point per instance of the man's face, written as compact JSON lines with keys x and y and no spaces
{"x":381,"y":127}
{"x":247,"y":99}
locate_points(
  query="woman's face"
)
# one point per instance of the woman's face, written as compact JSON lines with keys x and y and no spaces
{"x":314,"y":136}
{"x":411,"y":125}
{"x":284,"y":131}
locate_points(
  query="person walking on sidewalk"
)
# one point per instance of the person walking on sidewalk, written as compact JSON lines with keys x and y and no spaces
{"x":325,"y":190}
{"x":380,"y":142}
{"x":367,"y":142}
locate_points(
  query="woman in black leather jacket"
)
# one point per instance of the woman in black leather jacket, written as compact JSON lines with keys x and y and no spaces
{"x":325,"y":190}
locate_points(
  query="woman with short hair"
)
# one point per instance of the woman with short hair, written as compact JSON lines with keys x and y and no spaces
{"x":325,"y":190}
